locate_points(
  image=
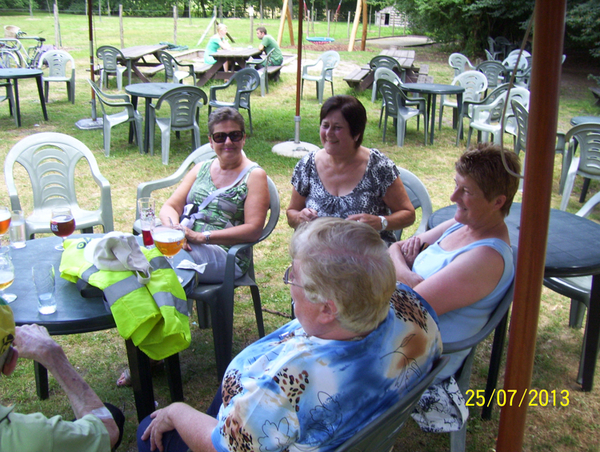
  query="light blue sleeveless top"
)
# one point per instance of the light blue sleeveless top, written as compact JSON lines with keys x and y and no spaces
{"x":462,"y":323}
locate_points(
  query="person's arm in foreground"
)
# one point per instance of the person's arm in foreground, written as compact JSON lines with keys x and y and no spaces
{"x":34,"y":342}
{"x":194,"y":427}
{"x":467,"y":279}
{"x":297,"y":212}
{"x":403,"y":212}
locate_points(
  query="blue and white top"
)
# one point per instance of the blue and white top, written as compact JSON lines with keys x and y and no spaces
{"x":294,"y":392}
{"x":462,"y":323}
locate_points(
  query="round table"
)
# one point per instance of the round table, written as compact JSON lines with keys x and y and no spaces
{"x":432,"y":90}
{"x":148,"y":91}
{"x":19,"y":73}
{"x":79,"y":311}
{"x":584,"y":120}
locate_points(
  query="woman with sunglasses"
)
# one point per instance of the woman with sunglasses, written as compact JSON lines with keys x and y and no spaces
{"x":346,"y":179}
{"x":233,"y":215}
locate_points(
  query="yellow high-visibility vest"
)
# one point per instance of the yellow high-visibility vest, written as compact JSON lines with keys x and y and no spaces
{"x":154,"y":315}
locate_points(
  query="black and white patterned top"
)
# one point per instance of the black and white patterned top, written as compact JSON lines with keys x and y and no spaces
{"x":366,"y":197}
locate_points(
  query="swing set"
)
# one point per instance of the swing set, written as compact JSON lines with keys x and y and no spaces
{"x":361,"y":6}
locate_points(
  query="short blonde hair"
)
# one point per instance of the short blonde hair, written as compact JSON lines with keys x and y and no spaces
{"x":348,"y":263}
{"x":221,"y":27}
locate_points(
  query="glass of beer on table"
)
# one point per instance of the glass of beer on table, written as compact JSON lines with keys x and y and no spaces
{"x":62,"y":224}
{"x":7,"y":274}
{"x":169,"y":242}
{"x":5,"y":216}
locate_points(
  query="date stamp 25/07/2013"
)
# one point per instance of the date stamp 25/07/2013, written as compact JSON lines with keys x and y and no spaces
{"x":512,"y":397}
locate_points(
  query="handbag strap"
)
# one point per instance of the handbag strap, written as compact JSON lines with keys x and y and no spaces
{"x":192,"y":218}
{"x":217,"y":192}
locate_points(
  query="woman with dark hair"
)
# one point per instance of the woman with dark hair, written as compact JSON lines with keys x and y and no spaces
{"x":346,"y":179}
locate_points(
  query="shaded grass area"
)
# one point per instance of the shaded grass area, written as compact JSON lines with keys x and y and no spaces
{"x":100,"y":357}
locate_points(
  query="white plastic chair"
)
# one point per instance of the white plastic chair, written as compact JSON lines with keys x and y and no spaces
{"x":483,"y":116}
{"x":128,"y":114}
{"x":419,"y":197}
{"x":57,"y":61}
{"x":328,"y":62}
{"x":50,"y":160}
{"x":586,"y":137}
{"x":460,"y":63}
{"x":474,"y":82}
{"x":184,"y":103}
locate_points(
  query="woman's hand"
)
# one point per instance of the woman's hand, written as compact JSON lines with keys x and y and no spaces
{"x":161,"y":423}
{"x":372,"y":220}
{"x":307,"y":214}
{"x":410,"y":248}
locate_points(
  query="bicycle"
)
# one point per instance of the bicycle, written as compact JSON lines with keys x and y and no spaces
{"x":14,"y":54}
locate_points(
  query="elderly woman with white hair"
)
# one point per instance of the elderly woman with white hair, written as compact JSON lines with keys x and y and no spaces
{"x":310,"y":385}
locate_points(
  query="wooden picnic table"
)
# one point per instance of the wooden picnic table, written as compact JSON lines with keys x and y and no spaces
{"x":136,"y":53}
{"x":363,"y":78}
{"x":234,"y":57}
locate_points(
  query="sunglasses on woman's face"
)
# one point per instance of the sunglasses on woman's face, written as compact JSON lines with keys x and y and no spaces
{"x":221,"y":137}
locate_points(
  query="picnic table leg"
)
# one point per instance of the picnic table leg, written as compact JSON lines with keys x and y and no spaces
{"x":40,"y":88}
{"x":17,"y":106}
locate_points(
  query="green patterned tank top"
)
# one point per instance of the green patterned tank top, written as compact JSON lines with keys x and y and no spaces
{"x":225,"y":211}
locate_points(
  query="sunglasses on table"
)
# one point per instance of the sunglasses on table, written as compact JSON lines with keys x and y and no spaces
{"x":221,"y":137}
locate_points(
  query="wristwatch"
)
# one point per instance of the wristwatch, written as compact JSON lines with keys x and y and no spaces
{"x":206,"y":237}
{"x":384,"y":222}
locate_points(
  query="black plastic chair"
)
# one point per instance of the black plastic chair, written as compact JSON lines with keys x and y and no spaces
{"x":577,"y":289}
{"x":220,"y":297}
{"x":380,"y":434}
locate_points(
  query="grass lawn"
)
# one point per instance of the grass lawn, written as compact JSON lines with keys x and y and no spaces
{"x":101,"y":356}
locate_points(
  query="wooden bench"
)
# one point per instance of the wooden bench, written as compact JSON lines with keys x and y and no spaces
{"x":422,"y":78}
{"x":360,"y":79}
{"x":596,"y":92}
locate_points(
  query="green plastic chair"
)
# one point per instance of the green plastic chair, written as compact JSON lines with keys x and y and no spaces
{"x":50,"y":160}
{"x":328,"y":61}
{"x":128,"y":114}
{"x":459,"y":63}
{"x":9,"y":97}
{"x":381,"y":433}
{"x":110,"y":57}
{"x":184,"y":102}
{"x":57,"y":62}
{"x":172,"y":72}
{"x":246,"y":80}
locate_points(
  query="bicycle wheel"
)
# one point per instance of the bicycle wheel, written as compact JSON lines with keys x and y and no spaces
{"x":9,"y":60}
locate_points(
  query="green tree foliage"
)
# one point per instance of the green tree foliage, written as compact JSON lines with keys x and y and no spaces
{"x":583,"y":25}
{"x":467,"y":23}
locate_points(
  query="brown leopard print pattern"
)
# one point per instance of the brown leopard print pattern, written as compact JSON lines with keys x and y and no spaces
{"x":231,"y":386}
{"x":408,"y":308}
{"x":292,"y":386}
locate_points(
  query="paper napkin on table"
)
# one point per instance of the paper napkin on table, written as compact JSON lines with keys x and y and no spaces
{"x":189,"y":265}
